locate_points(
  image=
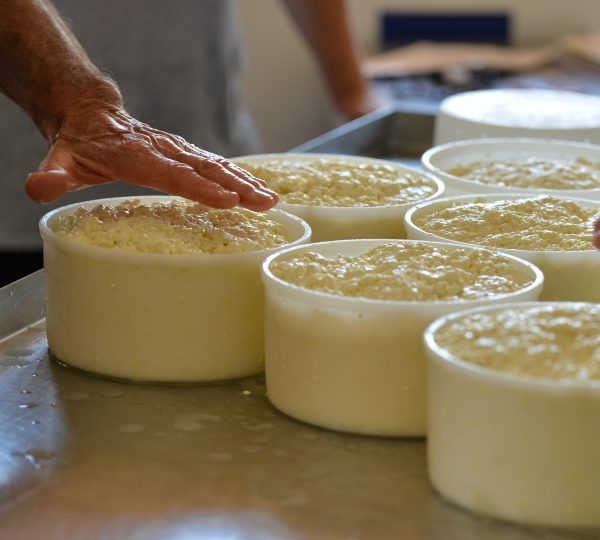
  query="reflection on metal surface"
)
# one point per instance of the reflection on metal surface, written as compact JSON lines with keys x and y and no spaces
{"x":21,"y":303}
{"x":97,"y":458}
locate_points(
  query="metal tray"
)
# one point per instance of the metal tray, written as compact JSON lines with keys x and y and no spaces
{"x":396,"y":133}
{"x":85,"y":458}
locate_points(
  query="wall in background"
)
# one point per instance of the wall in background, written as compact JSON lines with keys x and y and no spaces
{"x":282,"y":83}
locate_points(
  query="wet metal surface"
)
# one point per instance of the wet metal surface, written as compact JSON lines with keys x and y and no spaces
{"x":85,"y":458}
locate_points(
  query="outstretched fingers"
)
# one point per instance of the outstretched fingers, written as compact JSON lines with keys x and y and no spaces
{"x":176,"y":178}
{"x":253,"y":192}
{"x":143,"y":156}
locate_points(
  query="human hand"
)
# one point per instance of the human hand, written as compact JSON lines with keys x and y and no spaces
{"x":354,"y":105}
{"x":100,"y":142}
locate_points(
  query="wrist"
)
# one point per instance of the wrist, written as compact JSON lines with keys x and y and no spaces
{"x":355,"y":101}
{"x":68,"y":101}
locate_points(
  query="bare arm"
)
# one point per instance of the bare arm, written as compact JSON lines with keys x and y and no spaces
{"x":325,"y":26}
{"x":92,"y":138}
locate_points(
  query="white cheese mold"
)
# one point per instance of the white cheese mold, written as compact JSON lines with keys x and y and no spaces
{"x":509,"y":445}
{"x":350,"y":221}
{"x":568,"y":275}
{"x":518,"y":112}
{"x":155,"y":317}
{"x":535,"y":157}
{"x":357,"y":364}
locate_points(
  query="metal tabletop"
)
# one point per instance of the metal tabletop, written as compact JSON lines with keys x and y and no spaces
{"x":88,"y":458}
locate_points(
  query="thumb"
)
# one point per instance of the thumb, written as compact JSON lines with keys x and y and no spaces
{"x":46,"y":186}
{"x":59,"y":173}
{"x":52,"y":179}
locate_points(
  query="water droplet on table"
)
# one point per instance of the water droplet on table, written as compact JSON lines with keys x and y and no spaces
{"x":187,"y":424}
{"x":252,"y":448}
{"x":28,"y":405}
{"x":197,"y":417}
{"x":314,"y":472}
{"x":131,"y":428}
{"x":13,"y":362}
{"x":38,"y":458}
{"x":293,"y":499}
{"x":111,"y":393}
{"x":220,"y":456}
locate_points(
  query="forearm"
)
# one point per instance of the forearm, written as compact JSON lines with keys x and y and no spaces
{"x":325,"y":26}
{"x":93,"y":140}
{"x":42,"y":66}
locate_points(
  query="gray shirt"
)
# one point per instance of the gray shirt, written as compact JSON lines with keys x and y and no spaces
{"x":178,"y":65}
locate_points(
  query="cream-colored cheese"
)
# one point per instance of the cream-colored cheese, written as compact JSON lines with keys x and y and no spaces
{"x":543,"y":341}
{"x":405,"y":271}
{"x":519,"y":441}
{"x":534,"y":173}
{"x":340,"y":183}
{"x":156,"y":317}
{"x":173,"y":227}
{"x":541,"y":223}
{"x":355,"y":364}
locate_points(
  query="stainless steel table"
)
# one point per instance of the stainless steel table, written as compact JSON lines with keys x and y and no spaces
{"x":397,"y":133}
{"x":87,"y":458}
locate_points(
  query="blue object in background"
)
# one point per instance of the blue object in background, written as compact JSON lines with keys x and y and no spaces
{"x":402,"y":28}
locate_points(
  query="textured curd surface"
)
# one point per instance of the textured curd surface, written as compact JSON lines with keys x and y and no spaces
{"x":173,"y":227}
{"x":541,"y":223}
{"x":345,"y":183}
{"x":578,"y":173}
{"x":405,"y":271}
{"x":544,"y":341}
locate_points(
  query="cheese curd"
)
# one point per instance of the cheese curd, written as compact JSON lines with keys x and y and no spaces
{"x":171,"y":227}
{"x":536,"y":173}
{"x":541,"y":223}
{"x":407,"y":272}
{"x":543,"y":341}
{"x":340,"y":183}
